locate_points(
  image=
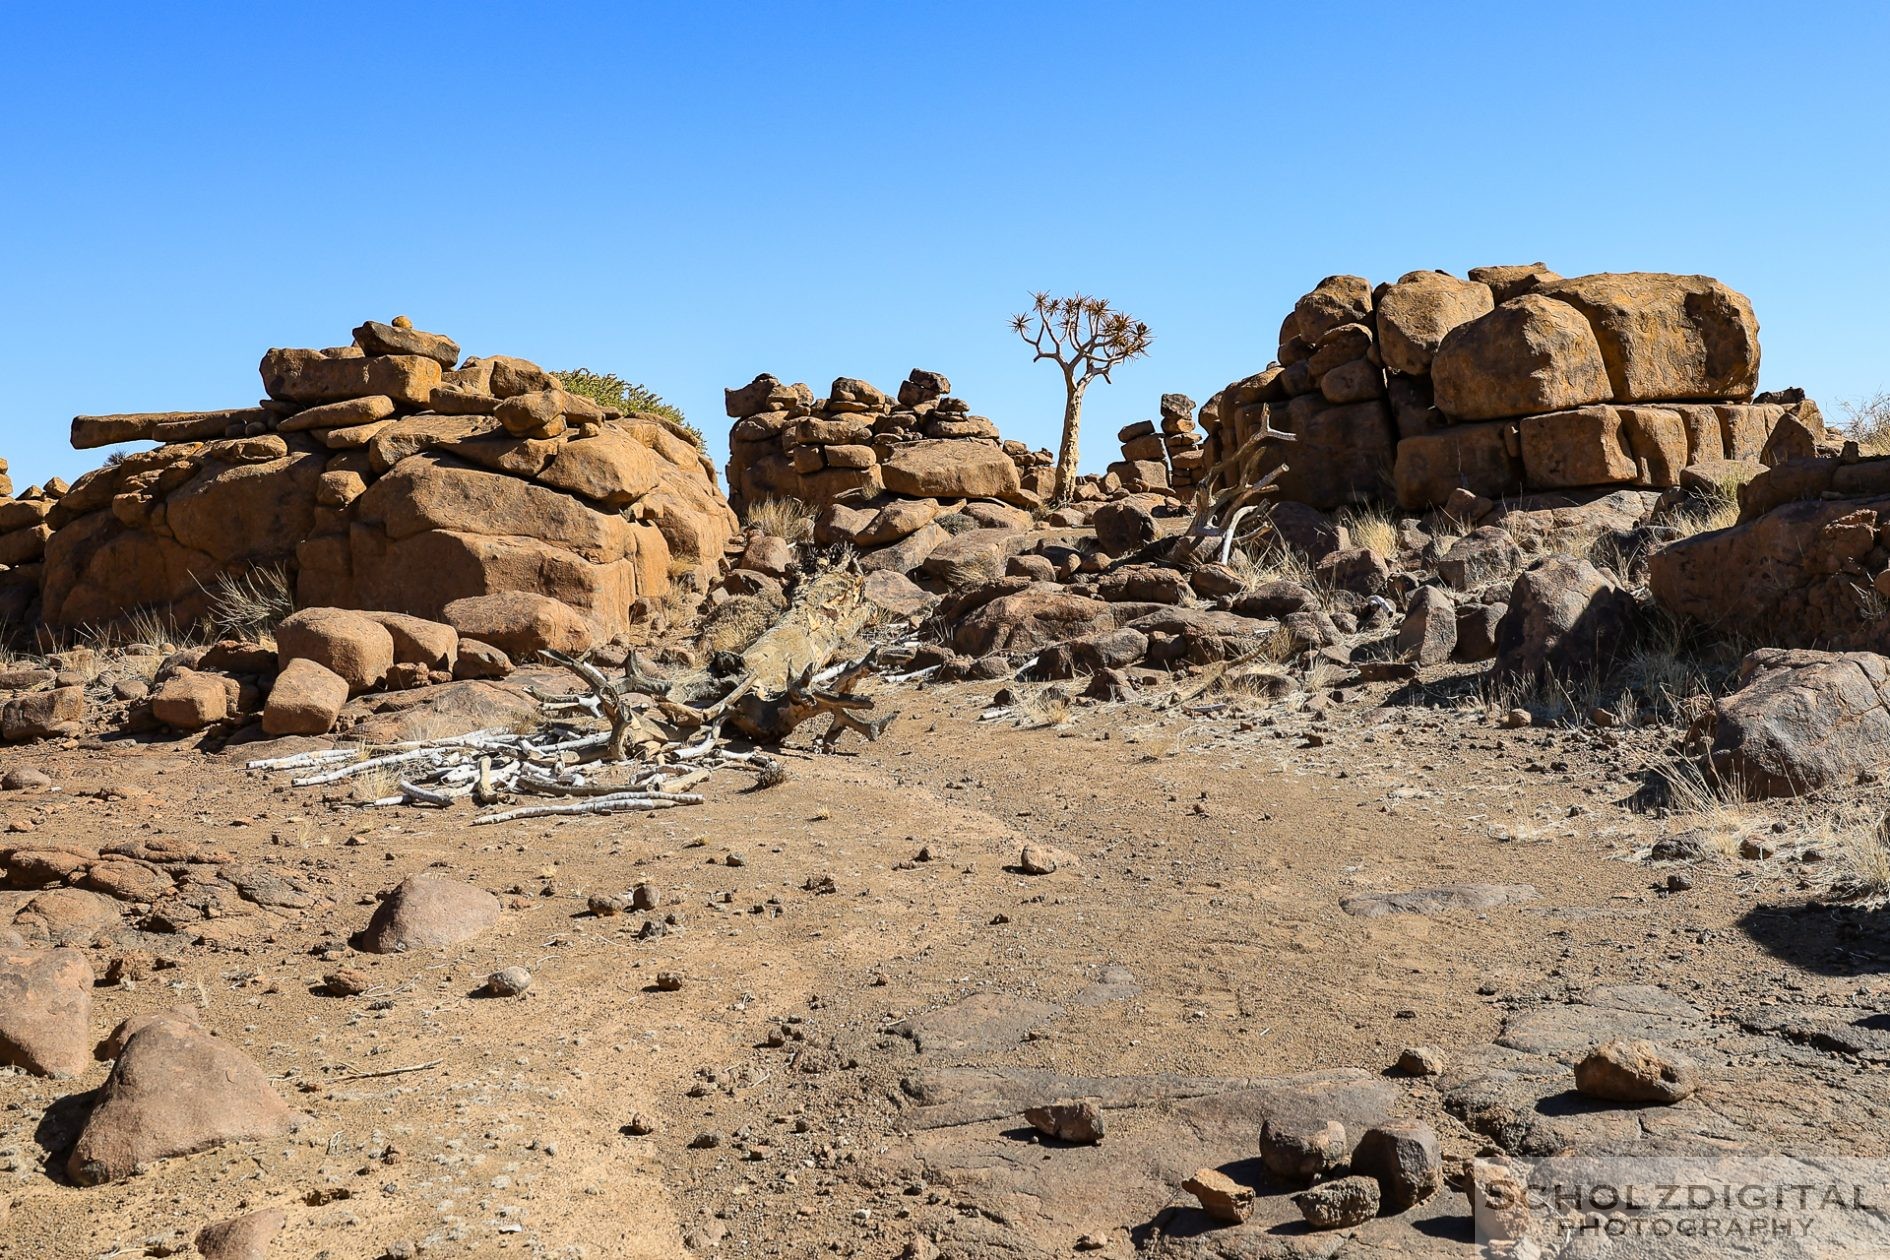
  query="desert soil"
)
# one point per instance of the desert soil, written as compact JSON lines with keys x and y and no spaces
{"x":872,"y":990}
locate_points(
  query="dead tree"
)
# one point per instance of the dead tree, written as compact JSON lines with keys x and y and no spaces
{"x":1236,"y":485}
{"x":784,"y":679}
{"x":1087,"y":338}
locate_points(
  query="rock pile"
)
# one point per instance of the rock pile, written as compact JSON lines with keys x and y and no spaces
{"x":859,"y":444}
{"x":1159,"y":456}
{"x":23,"y":534}
{"x":385,"y":474}
{"x":1513,"y":379}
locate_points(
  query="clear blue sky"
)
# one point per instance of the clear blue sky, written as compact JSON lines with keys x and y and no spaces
{"x":690,"y":194}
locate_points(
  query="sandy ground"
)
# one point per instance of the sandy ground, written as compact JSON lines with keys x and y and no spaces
{"x":1194,"y":930}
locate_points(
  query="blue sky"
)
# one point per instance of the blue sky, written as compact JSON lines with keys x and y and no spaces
{"x":691,"y":194}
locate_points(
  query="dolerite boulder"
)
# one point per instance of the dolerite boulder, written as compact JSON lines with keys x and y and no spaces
{"x":429,"y":912}
{"x":1665,"y":337}
{"x":351,"y":645}
{"x":174,"y":1090}
{"x":950,"y":470}
{"x":306,"y":700}
{"x":1531,"y":354}
{"x":1415,"y":314}
{"x":1803,"y":720}
{"x":1034,"y":619}
{"x":46,"y":1011}
{"x":1566,"y":619}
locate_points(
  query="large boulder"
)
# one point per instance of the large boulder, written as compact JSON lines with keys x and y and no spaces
{"x":1566,"y":619}
{"x":46,"y":1011}
{"x":352,"y":645}
{"x":1528,"y":355}
{"x":1334,"y":301}
{"x":429,"y":912}
{"x":190,"y":700}
{"x":1480,"y":458}
{"x":950,"y":469}
{"x":1344,"y":454}
{"x":1415,"y":314}
{"x":316,"y":376}
{"x":175,"y":1090}
{"x":1803,"y":720}
{"x":306,"y":700}
{"x":520,"y":624}
{"x":1666,"y":338}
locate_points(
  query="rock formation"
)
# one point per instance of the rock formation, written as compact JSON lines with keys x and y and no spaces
{"x":1513,"y":379}
{"x":859,"y":444}
{"x":376,"y":475}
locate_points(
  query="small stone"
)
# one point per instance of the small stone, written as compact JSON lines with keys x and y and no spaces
{"x":1037,"y":859}
{"x":509,"y":982}
{"x":1077,"y":1121}
{"x":735,"y":859}
{"x":1403,"y":1158}
{"x":1422,"y":1061}
{"x":1636,"y":1072}
{"x":1679,"y":882}
{"x":1338,"y":1204}
{"x":1221,"y":1196}
{"x":1302,"y":1151}
{"x":1092,"y":1242}
{"x":1756,"y":847}
{"x":347,"y":982}
{"x":645,"y":897}
{"x":707,"y":1140}
{"x":669,"y":981}
{"x":606,"y":906}
{"x":1516,"y":719}
{"x":639,"y":1125}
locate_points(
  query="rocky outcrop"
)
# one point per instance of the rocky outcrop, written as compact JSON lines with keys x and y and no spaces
{"x":377,"y":475}
{"x":1514,"y":379}
{"x":859,"y":444}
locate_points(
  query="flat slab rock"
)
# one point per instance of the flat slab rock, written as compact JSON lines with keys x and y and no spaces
{"x":979,"y":1024}
{"x":1435,"y":901}
{"x":967,"y":1130}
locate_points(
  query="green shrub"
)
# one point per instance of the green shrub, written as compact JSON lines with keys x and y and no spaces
{"x":607,"y":389}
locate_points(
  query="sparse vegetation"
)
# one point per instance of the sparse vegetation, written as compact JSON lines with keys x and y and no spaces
{"x":787,"y":518}
{"x":1372,"y":528}
{"x":607,"y":389}
{"x":249,"y":605}
{"x":1716,"y":508}
{"x":1867,"y":422}
{"x":1042,"y":707}
{"x":1088,"y":339}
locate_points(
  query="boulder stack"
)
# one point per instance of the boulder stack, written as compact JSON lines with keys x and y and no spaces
{"x":385,"y":474}
{"x":859,"y":444}
{"x":1513,"y":379}
{"x":1160,"y":456}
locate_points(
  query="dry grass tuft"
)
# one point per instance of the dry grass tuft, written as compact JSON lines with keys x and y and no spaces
{"x":1714,"y":509}
{"x":787,"y":518}
{"x":1867,"y":423}
{"x":1861,"y":873}
{"x":735,"y":623}
{"x":1372,"y":528}
{"x":248,"y":605}
{"x":1046,"y":706}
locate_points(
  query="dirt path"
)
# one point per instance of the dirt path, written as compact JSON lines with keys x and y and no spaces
{"x":1193,"y":933}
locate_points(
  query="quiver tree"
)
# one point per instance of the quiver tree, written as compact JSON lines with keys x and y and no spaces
{"x":1087,"y":338}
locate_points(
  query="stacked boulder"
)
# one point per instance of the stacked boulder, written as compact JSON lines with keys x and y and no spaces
{"x":1513,"y":379}
{"x":1159,"y":456}
{"x":388,"y":474}
{"x":23,"y":535}
{"x":859,"y":444}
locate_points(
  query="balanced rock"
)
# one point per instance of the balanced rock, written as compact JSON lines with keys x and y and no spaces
{"x":1531,"y":354}
{"x":429,"y":912}
{"x":175,"y":1090}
